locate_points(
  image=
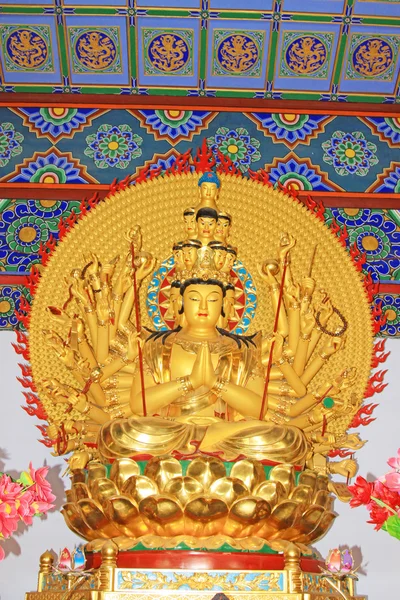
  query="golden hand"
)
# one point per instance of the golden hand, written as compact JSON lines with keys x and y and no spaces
{"x":278,"y":346}
{"x":210,"y":377}
{"x":292,"y":293}
{"x":52,"y":432}
{"x":346,"y":468}
{"x":351,"y":441}
{"x":103,"y":309}
{"x":307,"y":322}
{"x":133,"y":340}
{"x":108,"y":269}
{"x":134,"y":236}
{"x":56,"y":390}
{"x":325,"y":310}
{"x":267,"y":271}
{"x":145,"y":268}
{"x":307,"y":286}
{"x":287,"y":242}
{"x":58,"y":316}
{"x":78,"y":292}
{"x":78,"y":401}
{"x":197,"y":375}
{"x":83,"y":368}
{"x":333,"y":345}
{"x":92,"y":265}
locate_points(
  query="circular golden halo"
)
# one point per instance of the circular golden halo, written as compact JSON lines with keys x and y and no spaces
{"x":260,"y":214}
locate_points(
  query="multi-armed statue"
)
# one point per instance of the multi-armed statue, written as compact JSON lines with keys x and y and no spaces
{"x":197,"y":389}
{"x":205,"y":428}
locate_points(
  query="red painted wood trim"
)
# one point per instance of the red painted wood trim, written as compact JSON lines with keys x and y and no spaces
{"x":109,"y":101}
{"x":389,"y":288}
{"x":193,"y":560}
{"x":10,"y":279}
{"x":66,"y":191}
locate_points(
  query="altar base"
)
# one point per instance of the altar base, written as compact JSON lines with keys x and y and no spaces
{"x":191,"y":576}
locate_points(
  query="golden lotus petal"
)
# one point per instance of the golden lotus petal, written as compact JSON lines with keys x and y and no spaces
{"x":271,"y":491}
{"x":80,"y":491}
{"x":96,"y":519}
{"x":283,"y":517}
{"x":321,"y":529}
{"x":250,"y":471}
{"x":285,"y":475}
{"x":322,"y":482}
{"x":205,"y":516}
{"x":70,"y":496}
{"x":122,"y":469}
{"x":124,"y":512}
{"x":95,"y":471}
{"x":229,"y":489}
{"x":308,"y":478}
{"x":246,"y":517}
{"x":309,"y":521}
{"x":74,"y":520}
{"x":206,"y":469}
{"x":163,"y":515}
{"x":183,"y":489}
{"x":163,"y":468}
{"x":103,"y":488}
{"x":302,"y":494}
{"x":139,"y":487}
{"x":323,"y":498}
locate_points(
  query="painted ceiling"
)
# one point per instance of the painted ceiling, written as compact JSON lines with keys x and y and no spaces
{"x":339,"y":50}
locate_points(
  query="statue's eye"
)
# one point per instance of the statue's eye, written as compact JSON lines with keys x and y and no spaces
{"x":194,"y":299}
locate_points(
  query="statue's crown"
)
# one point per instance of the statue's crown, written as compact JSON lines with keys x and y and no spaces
{"x":205,"y":264}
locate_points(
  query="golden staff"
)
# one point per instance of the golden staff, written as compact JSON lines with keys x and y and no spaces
{"x":138,"y":329}
{"x":271,"y":351}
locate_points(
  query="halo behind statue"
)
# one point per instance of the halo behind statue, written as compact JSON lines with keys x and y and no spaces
{"x":260,"y":214}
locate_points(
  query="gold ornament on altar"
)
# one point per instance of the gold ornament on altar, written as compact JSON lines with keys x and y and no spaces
{"x":120,"y":388}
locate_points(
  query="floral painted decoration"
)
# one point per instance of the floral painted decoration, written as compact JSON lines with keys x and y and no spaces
{"x":22,"y":499}
{"x":381,"y":497}
{"x":237,"y":145}
{"x":113,"y":146}
{"x":350,"y":153}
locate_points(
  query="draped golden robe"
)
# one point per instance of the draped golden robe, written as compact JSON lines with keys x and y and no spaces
{"x":190,"y":426}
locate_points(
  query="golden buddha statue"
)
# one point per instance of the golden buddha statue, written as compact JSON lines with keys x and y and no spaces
{"x":198,"y":389}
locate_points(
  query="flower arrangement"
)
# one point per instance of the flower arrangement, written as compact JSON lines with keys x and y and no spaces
{"x":22,"y":499}
{"x":381,"y":497}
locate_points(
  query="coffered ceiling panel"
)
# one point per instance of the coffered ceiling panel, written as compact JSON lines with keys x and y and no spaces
{"x":346,"y":50}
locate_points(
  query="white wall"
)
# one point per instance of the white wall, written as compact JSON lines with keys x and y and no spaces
{"x":18,"y":445}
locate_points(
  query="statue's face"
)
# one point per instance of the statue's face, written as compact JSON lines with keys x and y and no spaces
{"x":190,"y":225}
{"x":178,"y":256}
{"x":208,"y":191}
{"x":229,"y":261}
{"x":229,"y":306}
{"x":202,"y":305}
{"x":206,"y":227}
{"x":189,"y":256}
{"x":219,"y":258}
{"x":174,"y":304}
{"x":222,"y":229}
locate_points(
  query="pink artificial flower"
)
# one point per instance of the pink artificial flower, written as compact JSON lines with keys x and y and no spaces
{"x":41,"y":488}
{"x":392,"y":479}
{"x":394,"y":462}
{"x":2,"y":553}
{"x":9,"y":490}
{"x":25,"y":506}
{"x":9,"y":518}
